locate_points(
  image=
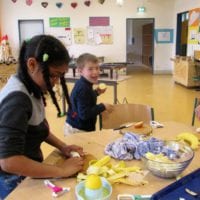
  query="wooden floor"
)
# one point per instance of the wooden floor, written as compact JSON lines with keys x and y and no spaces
{"x":170,"y":101}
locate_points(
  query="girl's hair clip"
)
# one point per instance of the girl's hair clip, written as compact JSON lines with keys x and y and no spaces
{"x":45,"y":57}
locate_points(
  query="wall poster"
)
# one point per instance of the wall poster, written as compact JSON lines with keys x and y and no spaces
{"x":194,"y":26}
{"x":79,"y":35}
{"x":59,"y":22}
{"x":100,"y":35}
{"x":164,"y":35}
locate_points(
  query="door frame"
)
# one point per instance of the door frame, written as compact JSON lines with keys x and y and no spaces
{"x":153,"y":36}
{"x":41,"y":21}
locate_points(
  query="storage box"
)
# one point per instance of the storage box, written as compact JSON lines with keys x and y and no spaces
{"x":185,"y":71}
{"x":177,"y":189}
{"x":197,"y":55}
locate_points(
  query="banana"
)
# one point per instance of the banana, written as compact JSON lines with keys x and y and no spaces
{"x":189,"y":138}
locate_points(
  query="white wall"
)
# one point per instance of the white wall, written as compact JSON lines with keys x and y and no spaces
{"x":185,"y":5}
{"x":162,"y":11}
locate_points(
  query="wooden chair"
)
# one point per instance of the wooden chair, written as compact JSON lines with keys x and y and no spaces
{"x":196,"y":103}
{"x":124,"y":113}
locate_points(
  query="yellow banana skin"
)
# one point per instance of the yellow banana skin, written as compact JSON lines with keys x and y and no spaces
{"x":189,"y":138}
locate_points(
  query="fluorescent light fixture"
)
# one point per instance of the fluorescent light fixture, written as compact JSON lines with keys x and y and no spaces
{"x":141,"y":9}
{"x":119,"y":2}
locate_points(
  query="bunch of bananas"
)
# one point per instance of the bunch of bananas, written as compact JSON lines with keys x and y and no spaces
{"x":190,"y":139}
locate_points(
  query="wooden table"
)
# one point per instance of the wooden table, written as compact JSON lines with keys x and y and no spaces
{"x":94,"y":143}
{"x":114,"y":66}
{"x":111,"y":82}
{"x":6,"y":71}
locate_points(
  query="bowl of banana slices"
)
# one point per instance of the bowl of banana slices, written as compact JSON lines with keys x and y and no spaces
{"x":171,"y":161}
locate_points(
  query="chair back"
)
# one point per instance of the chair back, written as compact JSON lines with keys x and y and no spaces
{"x":124,"y":113}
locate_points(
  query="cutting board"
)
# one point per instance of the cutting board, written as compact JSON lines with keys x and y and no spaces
{"x":144,"y":130}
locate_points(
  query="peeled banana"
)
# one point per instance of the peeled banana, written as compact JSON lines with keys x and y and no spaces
{"x":189,"y":138}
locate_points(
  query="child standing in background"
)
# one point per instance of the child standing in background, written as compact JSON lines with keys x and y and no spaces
{"x":83,"y":113}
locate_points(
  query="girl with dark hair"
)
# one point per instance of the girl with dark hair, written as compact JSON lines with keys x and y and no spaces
{"x":43,"y":61}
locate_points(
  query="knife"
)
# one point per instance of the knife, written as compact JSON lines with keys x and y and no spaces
{"x":123,"y":126}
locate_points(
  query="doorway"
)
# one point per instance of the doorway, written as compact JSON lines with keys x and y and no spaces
{"x":30,"y":28}
{"x":140,"y":42}
{"x":182,"y":33}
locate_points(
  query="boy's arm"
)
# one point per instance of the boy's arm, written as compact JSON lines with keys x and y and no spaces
{"x":85,"y":109}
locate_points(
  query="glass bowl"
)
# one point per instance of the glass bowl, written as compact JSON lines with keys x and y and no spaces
{"x":180,"y":156}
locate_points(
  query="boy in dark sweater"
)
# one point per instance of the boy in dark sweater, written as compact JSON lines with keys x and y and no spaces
{"x":83,"y":113}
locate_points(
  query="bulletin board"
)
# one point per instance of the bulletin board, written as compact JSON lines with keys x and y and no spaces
{"x":100,"y":35}
{"x":194,"y":26}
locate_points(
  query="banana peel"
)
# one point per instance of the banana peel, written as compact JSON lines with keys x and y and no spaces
{"x":118,"y":173}
{"x":190,"y":139}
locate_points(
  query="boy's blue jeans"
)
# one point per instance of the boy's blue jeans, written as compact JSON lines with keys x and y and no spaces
{"x":8,"y":182}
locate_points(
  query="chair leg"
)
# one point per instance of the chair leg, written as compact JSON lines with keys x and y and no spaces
{"x":193,"y":114}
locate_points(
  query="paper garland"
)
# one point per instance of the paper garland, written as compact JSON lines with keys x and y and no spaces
{"x":74,"y":4}
{"x":29,"y":2}
{"x":44,"y":4}
{"x":59,"y":4}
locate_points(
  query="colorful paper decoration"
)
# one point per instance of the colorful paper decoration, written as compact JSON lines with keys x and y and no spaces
{"x":99,"y":21}
{"x":59,"y":4}
{"x":79,"y":35}
{"x":44,"y":4}
{"x":194,"y":27}
{"x":87,"y":3}
{"x":14,"y":1}
{"x":74,"y":5}
{"x":59,"y":22}
{"x":29,"y":2}
{"x":100,"y":35}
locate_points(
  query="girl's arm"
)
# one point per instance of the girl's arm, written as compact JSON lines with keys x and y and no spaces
{"x":63,"y":147}
{"x":24,"y":166}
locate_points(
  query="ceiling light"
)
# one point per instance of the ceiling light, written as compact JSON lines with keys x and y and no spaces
{"x":119,"y":2}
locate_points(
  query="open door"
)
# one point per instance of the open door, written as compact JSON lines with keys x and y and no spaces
{"x":140,"y":42}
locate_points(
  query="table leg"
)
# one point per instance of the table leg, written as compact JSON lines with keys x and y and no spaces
{"x":111,"y":73}
{"x":74,"y":72}
{"x":115,"y":93}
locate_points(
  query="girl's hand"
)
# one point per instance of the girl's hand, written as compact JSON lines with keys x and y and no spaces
{"x":67,"y":149}
{"x":71,"y":166}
